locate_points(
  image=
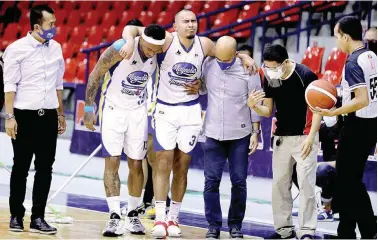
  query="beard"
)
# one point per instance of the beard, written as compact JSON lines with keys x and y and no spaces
{"x":190,"y":36}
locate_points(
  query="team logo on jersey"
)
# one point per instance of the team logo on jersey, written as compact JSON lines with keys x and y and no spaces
{"x":184,"y":69}
{"x":137,"y":78}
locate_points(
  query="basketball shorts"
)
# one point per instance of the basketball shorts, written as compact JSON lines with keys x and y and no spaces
{"x":124,"y":129}
{"x":176,"y":126}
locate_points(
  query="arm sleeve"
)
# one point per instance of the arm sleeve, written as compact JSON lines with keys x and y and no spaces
{"x":59,"y":80}
{"x":12,"y":72}
{"x":119,"y":44}
{"x":254,"y":83}
{"x":354,"y":75}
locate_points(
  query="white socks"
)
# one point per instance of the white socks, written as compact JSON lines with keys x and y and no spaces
{"x":141,"y":197}
{"x":174,"y":210}
{"x":114,"y":205}
{"x":132,"y":203}
{"x":160,"y":210}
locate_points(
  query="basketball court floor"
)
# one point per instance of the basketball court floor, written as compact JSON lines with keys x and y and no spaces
{"x":90,"y":215}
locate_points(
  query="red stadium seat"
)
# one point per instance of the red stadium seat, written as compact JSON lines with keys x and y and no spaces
{"x":249,"y":11}
{"x":82,"y":66}
{"x":202,"y":25}
{"x":165,"y":18}
{"x":109,"y":19}
{"x":292,"y":18}
{"x":194,"y":6}
{"x":25,"y":30}
{"x":24,"y":19}
{"x":114,"y":33}
{"x":61,"y":16}
{"x":78,"y":34}
{"x":103,"y":5}
{"x":138,"y":6}
{"x":211,"y":6}
{"x":61,"y":34}
{"x":272,"y":5}
{"x":175,"y":6}
{"x":336,"y":62}
{"x":312,"y":58}
{"x":12,"y":30}
{"x":24,"y":5}
{"x":67,"y":50}
{"x":224,"y":19}
{"x":332,"y":77}
{"x":70,"y":70}
{"x":92,"y":18}
{"x":70,"y":5}
{"x":74,"y":18}
{"x":126,"y":17}
{"x":146,"y":17}
{"x":156,"y":6}
{"x":86,"y":6}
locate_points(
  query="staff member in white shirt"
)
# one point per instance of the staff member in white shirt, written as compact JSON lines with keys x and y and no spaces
{"x":33,"y":85}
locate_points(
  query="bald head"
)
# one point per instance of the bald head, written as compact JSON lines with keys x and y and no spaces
{"x":225,"y":49}
{"x":371,"y":34}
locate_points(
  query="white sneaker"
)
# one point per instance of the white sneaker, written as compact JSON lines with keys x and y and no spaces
{"x":133,"y":223}
{"x":159,"y":230}
{"x":114,"y":226}
{"x":173,"y":228}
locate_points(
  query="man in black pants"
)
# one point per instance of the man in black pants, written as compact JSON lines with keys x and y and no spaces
{"x":358,"y":137}
{"x":33,"y":86}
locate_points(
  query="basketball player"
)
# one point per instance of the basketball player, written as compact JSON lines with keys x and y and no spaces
{"x":124,"y":120}
{"x":177,"y":115}
{"x":358,"y":137}
{"x":295,"y":140}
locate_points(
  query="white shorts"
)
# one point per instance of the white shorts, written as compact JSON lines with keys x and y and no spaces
{"x":176,"y":126}
{"x":124,"y":129}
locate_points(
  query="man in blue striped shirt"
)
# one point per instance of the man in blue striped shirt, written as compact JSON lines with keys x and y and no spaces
{"x":230,"y":129}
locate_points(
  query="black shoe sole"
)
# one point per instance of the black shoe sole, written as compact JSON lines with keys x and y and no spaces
{"x":16,"y":230}
{"x":32,"y":230}
{"x":111,"y":234}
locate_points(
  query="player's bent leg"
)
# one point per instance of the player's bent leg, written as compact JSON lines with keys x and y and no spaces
{"x":163,"y":168}
{"x":114,"y":226}
{"x":135,"y":186}
{"x":179,"y":183}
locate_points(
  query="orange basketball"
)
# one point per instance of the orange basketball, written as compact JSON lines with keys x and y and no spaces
{"x":322,"y":94}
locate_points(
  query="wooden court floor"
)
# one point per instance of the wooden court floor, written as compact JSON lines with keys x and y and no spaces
{"x":88,"y":225}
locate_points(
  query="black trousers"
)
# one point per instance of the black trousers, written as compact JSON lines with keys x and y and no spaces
{"x":358,"y":138}
{"x":35,"y":135}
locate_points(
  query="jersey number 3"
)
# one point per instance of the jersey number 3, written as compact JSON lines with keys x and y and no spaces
{"x":373,"y":89}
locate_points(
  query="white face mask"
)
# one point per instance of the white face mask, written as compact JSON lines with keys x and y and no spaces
{"x":276,"y":73}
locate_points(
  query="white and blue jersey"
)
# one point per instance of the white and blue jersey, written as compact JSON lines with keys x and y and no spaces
{"x":125,"y":83}
{"x":360,"y":70}
{"x":179,"y":66}
{"x":123,"y":110}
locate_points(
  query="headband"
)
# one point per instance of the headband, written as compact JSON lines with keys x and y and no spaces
{"x":152,"y":41}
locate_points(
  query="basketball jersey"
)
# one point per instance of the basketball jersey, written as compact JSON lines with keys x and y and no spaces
{"x":125,"y":83}
{"x":179,"y":66}
{"x":360,"y":70}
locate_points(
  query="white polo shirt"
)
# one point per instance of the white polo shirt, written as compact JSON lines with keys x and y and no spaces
{"x":34,"y":71}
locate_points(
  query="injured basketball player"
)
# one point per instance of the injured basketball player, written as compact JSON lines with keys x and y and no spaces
{"x":123,"y":117}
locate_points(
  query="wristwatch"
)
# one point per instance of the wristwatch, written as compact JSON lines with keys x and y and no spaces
{"x":256,"y":131}
{"x":8,"y":116}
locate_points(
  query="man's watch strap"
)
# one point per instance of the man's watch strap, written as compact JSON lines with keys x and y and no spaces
{"x":9,"y":116}
{"x":256,"y":131}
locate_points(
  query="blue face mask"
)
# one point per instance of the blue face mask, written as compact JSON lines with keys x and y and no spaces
{"x":48,"y":34}
{"x":226,"y":65}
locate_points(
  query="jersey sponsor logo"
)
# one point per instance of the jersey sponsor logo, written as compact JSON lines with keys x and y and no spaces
{"x":184,"y":69}
{"x":182,"y":72}
{"x":135,"y":83}
{"x":137,"y":78}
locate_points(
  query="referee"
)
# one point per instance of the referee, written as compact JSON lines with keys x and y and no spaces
{"x":33,"y":86}
{"x":358,"y":137}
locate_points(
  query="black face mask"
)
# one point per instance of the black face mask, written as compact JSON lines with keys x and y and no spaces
{"x":372,"y":45}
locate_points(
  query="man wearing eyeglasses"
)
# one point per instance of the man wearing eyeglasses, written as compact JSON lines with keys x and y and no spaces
{"x":295,"y":140}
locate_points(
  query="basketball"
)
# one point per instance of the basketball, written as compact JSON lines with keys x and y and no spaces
{"x":322,"y":94}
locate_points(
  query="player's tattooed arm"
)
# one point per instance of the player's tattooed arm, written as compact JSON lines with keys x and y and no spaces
{"x":106,"y":61}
